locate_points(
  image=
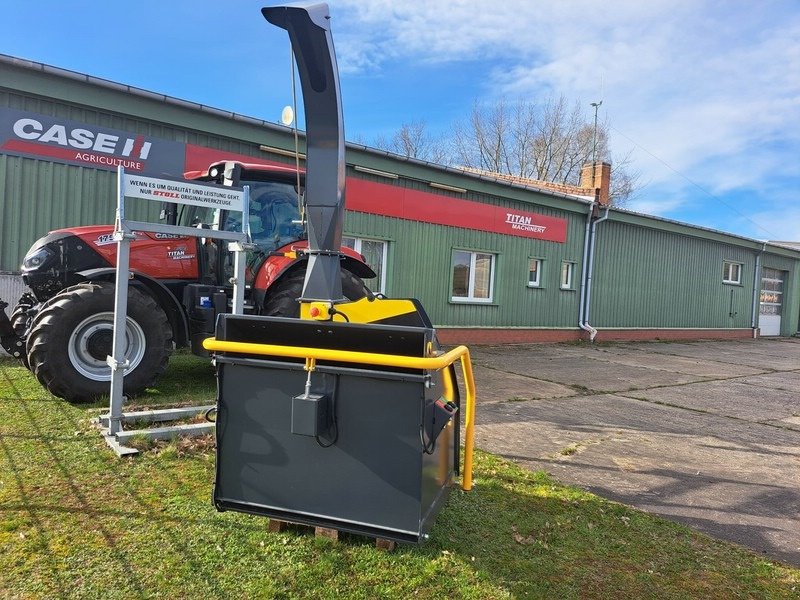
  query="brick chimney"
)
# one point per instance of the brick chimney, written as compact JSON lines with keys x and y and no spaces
{"x":597,"y":177}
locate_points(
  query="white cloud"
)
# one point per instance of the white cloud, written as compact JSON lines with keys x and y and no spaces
{"x":657,"y":205}
{"x":690,"y":81}
{"x":445,"y":30}
{"x":782,"y":224}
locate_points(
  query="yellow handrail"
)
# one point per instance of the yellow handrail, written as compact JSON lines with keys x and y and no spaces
{"x":432,"y":363}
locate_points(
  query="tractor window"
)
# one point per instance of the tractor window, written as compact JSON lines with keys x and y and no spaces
{"x":196,"y":216}
{"x":274,"y":215}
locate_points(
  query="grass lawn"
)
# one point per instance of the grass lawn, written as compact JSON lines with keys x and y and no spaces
{"x":78,"y":522}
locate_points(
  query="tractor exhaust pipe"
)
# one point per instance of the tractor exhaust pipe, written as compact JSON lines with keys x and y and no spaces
{"x":308,"y":25}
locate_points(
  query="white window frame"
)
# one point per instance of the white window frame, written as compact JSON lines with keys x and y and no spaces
{"x":568,"y":269}
{"x":726,"y":272}
{"x":470,"y":297}
{"x":357,"y":244}
{"x":538,"y":282}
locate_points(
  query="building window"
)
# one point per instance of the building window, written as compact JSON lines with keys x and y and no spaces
{"x":534,"y":272}
{"x":567,"y":269}
{"x":473,"y":276}
{"x":731,"y":272}
{"x":374,"y":253}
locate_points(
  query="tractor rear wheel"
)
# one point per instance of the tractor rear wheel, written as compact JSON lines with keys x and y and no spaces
{"x":282,"y":300}
{"x":72,"y":335}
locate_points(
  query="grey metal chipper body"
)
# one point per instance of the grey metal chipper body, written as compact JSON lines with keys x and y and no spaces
{"x":352,"y":426}
{"x":378,"y":465}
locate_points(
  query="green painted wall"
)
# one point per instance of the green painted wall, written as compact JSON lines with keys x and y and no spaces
{"x":38,"y":196}
{"x":648,"y":272}
{"x":649,"y":278}
{"x":652,"y":277}
{"x":420,"y":257}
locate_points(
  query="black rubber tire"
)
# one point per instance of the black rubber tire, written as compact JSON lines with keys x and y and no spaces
{"x":20,"y":321}
{"x":281,"y":301}
{"x":70,"y":337}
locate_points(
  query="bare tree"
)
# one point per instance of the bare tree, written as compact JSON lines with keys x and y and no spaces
{"x":414,"y":141}
{"x":547,"y":142}
{"x":626,"y":182}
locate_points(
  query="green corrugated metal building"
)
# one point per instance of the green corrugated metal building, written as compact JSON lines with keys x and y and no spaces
{"x":492,"y":260}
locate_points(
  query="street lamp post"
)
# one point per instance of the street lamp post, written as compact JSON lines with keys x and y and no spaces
{"x":594,"y":137}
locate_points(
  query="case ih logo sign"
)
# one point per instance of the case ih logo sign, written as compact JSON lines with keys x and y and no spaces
{"x":47,"y":138}
{"x":40,"y":136}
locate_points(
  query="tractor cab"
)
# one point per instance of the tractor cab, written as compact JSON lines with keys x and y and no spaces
{"x":276,"y":200}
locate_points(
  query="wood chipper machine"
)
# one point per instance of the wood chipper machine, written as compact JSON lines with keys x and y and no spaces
{"x":350,"y":417}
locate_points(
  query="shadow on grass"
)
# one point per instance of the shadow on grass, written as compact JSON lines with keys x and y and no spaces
{"x":90,"y":524}
{"x":542,"y":539}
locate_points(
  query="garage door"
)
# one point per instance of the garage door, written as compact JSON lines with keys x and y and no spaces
{"x":769,"y":319}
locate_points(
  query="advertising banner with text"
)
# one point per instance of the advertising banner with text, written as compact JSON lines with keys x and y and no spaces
{"x":62,"y":140}
{"x":183,"y":192}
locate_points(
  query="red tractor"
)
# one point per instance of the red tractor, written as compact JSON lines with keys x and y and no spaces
{"x":62,"y":329}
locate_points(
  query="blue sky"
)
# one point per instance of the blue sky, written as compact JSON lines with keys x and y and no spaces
{"x":705,"y":94}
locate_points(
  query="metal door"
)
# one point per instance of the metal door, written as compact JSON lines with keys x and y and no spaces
{"x":771,"y":301}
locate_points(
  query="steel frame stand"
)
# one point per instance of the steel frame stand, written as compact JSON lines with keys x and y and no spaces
{"x":112,"y":422}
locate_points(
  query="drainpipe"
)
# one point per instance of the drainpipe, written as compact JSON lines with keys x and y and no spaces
{"x":590,"y":269}
{"x":756,"y":275}
{"x":584,"y":270}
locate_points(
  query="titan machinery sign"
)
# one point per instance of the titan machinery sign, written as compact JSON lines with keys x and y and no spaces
{"x":426,"y":207}
{"x":51,"y":138}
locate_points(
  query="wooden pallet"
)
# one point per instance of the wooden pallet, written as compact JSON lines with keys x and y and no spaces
{"x":276,"y":526}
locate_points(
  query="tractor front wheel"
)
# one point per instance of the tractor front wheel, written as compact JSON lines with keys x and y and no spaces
{"x":20,"y":321}
{"x":281,"y":301}
{"x":71,"y":337}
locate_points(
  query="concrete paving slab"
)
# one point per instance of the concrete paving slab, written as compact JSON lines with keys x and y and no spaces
{"x":703,"y":367}
{"x":499,"y":386}
{"x":786,"y":380}
{"x":721,"y":454}
{"x":761,"y":354}
{"x":586,"y":373}
{"x":708,"y":471}
{"x":729,"y":398}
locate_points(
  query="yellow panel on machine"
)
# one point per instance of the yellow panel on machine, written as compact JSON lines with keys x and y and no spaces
{"x":386,"y":311}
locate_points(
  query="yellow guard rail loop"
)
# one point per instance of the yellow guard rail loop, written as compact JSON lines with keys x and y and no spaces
{"x":433,"y":363}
